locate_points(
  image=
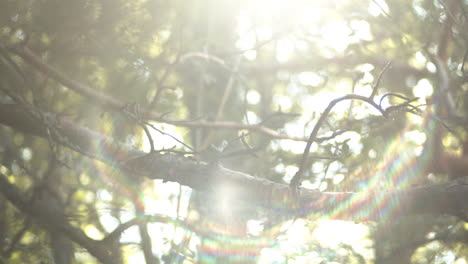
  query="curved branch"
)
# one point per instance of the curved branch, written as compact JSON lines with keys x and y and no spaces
{"x":313,"y":135}
{"x":432,"y":199}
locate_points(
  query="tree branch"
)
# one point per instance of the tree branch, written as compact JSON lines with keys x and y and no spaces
{"x":108,"y":101}
{"x":432,"y":199}
{"x":55,"y":221}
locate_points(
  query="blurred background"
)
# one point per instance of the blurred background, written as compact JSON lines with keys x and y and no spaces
{"x":215,"y":71}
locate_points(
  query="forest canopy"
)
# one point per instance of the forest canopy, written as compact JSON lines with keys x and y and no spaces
{"x":216,"y":131}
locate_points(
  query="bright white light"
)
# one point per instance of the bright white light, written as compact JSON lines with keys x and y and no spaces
{"x":158,"y":206}
{"x":254,"y":227}
{"x":431,"y":67}
{"x":419,"y":10}
{"x":264,"y":33}
{"x":338,"y":178}
{"x":268,"y":256}
{"x":250,"y":55}
{"x":253,"y":97}
{"x":332,"y":233}
{"x":164,"y":233}
{"x":178,"y":92}
{"x":225,"y":204}
{"x":372,"y":154}
{"x":317,"y":103}
{"x":310,"y":78}
{"x":419,"y":60}
{"x":280,"y":168}
{"x":367,"y":78}
{"x":418,"y":150}
{"x":247,"y":41}
{"x":108,"y":221}
{"x":26,"y":154}
{"x":323,"y":186}
{"x":224,"y":201}
{"x":309,"y":185}
{"x":104,"y":195}
{"x":244,"y":23}
{"x":282,"y":101}
{"x":126,"y":214}
{"x":378,"y":7}
{"x":284,"y":50}
{"x":295,"y":147}
{"x":164,"y":201}
{"x":289,"y":173}
{"x":367,"y":67}
{"x":93,"y":232}
{"x":131,"y":235}
{"x":135,"y":257}
{"x":252,"y":117}
{"x":423,"y":89}
{"x":364,"y":90}
{"x":297,"y":234}
{"x":354,"y":141}
{"x":361,"y":30}
{"x":318,"y":167}
{"x":336,"y":34}
{"x":162,"y":140}
{"x":417,"y":137}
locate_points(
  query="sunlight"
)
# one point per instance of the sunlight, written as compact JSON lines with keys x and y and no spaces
{"x":284,"y":50}
{"x":162,"y":139}
{"x":225,"y":200}
{"x":251,"y":117}
{"x":289,"y":172}
{"x":93,"y":232}
{"x":378,"y":7}
{"x":108,"y":221}
{"x":254,"y":227}
{"x":282,"y":101}
{"x":423,"y":90}
{"x":310,"y":78}
{"x":131,"y":235}
{"x":134,"y":256}
{"x":333,"y":233}
{"x":275,"y":19}
{"x":336,"y":34}
{"x":253,"y":97}
{"x":329,"y":234}
{"x":298,"y":233}
{"x":128,"y":98}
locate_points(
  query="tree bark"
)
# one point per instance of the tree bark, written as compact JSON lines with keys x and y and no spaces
{"x":372,"y":205}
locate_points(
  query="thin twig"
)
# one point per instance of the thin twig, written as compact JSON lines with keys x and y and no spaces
{"x":160,"y":82}
{"x":222,"y":104}
{"x":169,"y":135}
{"x":396,"y":95}
{"x":377,"y":83}
{"x":382,"y":9}
{"x":104,"y":99}
{"x":295,"y":182}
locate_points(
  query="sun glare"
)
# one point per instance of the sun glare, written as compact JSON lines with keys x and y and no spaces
{"x":333,"y":233}
{"x":275,"y":20}
{"x":263,"y":23}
